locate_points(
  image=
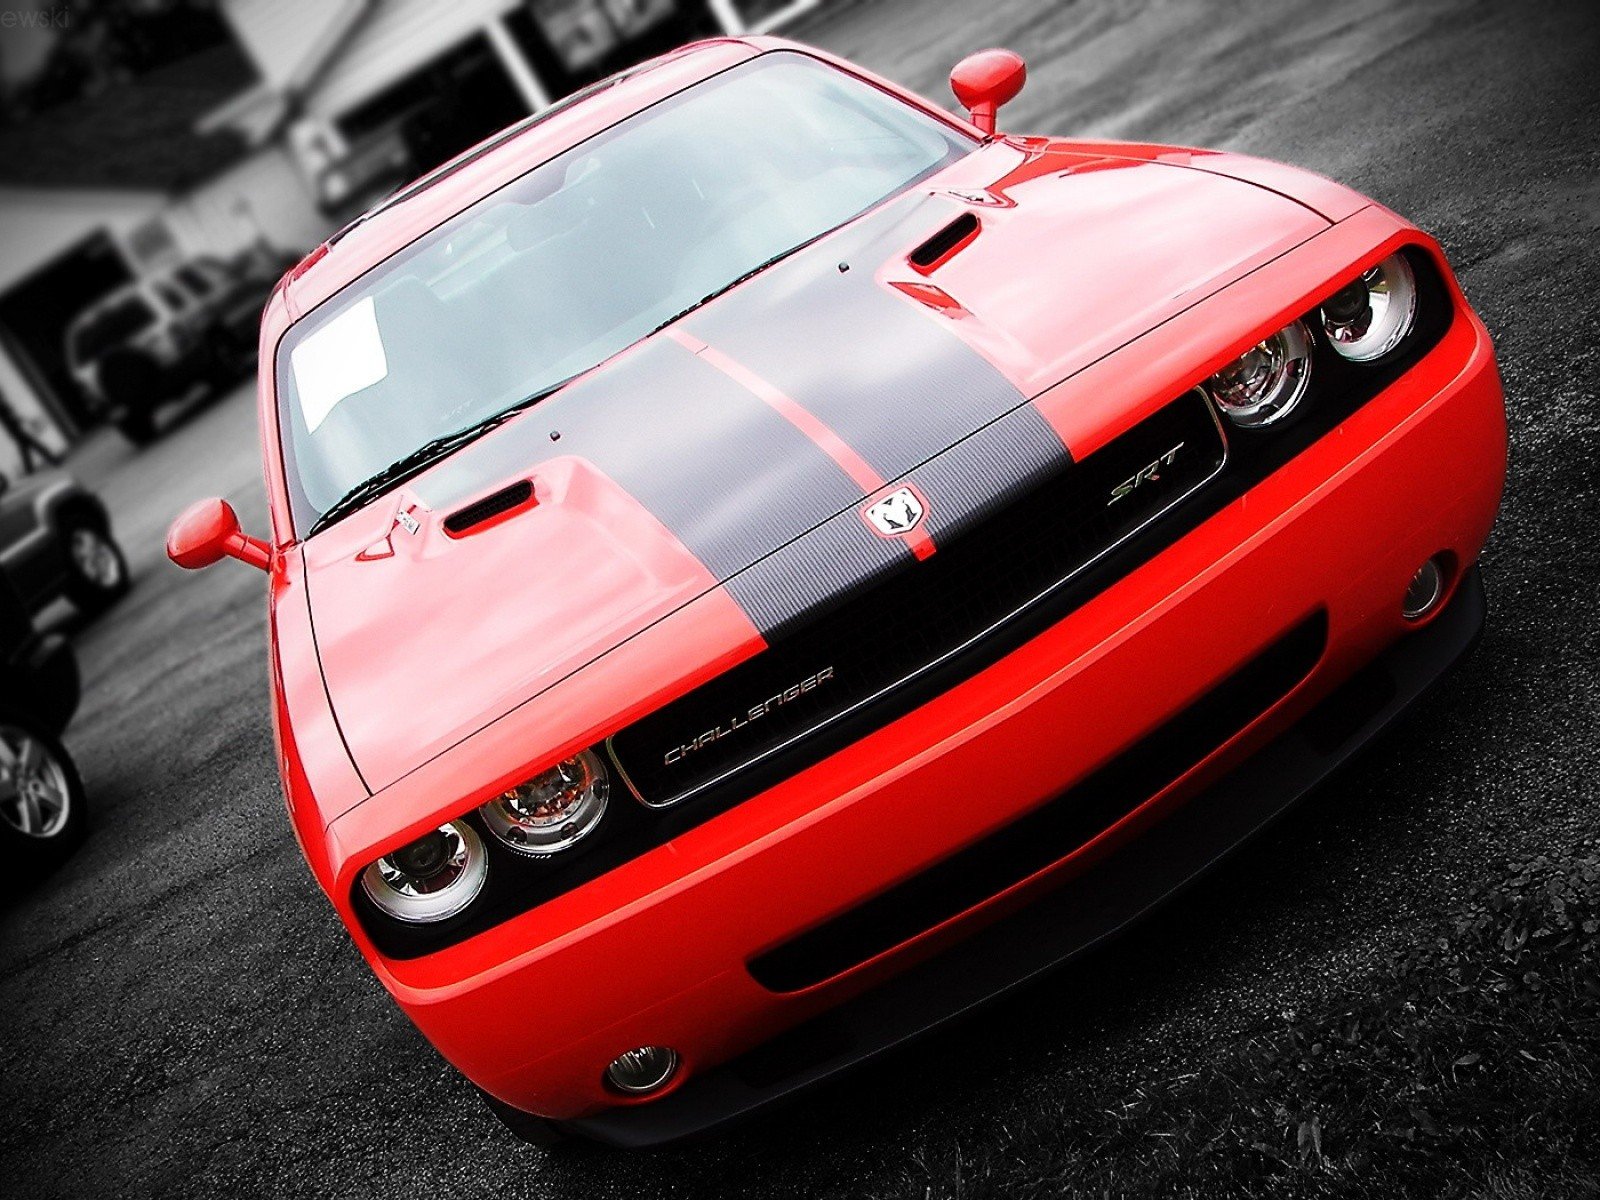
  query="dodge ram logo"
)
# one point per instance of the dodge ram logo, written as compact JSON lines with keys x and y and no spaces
{"x":897,"y":514}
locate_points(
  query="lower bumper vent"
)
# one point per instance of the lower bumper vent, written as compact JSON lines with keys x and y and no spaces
{"x":1051,"y":832}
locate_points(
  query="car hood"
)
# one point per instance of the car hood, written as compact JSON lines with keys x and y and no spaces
{"x":804,"y":391}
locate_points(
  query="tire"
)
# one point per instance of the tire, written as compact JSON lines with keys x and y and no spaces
{"x":97,"y":571}
{"x":133,"y":380}
{"x":138,"y":427}
{"x":43,"y":813}
{"x":536,"y":1131}
{"x":222,"y":365}
{"x":134,"y":384}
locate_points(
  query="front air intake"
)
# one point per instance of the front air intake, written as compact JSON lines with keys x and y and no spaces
{"x":1043,"y":837}
{"x":495,"y":504}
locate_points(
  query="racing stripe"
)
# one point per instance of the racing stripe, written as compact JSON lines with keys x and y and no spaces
{"x":1004,"y":459}
{"x":826,"y":439}
{"x":834,"y":564}
{"x":881,"y":371}
{"x":835,"y":447}
{"x":761,"y":427}
{"x":731,"y":478}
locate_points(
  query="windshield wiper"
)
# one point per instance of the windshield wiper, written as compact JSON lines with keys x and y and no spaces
{"x":421,"y":458}
{"x":732,"y":283}
{"x":431,"y":452}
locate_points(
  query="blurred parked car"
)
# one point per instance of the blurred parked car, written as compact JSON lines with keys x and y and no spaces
{"x":43,"y":814}
{"x":153,"y":340}
{"x":55,"y":540}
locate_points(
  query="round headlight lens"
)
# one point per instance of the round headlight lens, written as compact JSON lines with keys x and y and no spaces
{"x":553,"y":809}
{"x":1370,"y":317}
{"x":429,"y":879}
{"x":1266,"y":382}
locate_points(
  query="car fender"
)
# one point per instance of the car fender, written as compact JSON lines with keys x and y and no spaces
{"x":1328,"y":199}
{"x":317,"y":773}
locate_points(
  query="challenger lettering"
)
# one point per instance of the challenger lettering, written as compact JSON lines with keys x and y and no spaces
{"x":789,"y":694}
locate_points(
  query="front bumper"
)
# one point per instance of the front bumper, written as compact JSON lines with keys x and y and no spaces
{"x":659,"y":951}
{"x":1074,"y":918}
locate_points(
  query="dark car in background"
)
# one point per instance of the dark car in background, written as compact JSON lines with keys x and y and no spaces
{"x":154,"y":340}
{"x":42,"y":808}
{"x":55,"y":541}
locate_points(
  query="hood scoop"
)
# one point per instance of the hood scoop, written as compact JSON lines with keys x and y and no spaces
{"x":942,"y":246}
{"x":482,"y":512}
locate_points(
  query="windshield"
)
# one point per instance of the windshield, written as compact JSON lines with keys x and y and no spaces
{"x":584,"y":255}
{"x":109,"y":327}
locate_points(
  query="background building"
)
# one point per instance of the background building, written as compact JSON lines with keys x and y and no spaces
{"x":305,"y":114}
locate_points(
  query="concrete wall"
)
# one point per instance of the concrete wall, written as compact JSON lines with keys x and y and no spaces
{"x":264,"y":196}
{"x":40,"y":223}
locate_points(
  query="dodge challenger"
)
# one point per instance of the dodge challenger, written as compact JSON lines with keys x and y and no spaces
{"x":759,"y":565}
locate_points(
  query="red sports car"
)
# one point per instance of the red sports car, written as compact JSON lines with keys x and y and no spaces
{"x":759,"y":565}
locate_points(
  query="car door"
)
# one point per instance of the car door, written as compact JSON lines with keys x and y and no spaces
{"x":29,"y":551}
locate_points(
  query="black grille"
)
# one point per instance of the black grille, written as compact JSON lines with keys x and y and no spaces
{"x":924,"y":615}
{"x":1050,"y":833}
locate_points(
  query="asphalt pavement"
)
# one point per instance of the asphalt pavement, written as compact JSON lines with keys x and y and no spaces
{"x":182,"y":1015}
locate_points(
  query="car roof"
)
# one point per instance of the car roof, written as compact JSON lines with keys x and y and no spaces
{"x":392,"y":224}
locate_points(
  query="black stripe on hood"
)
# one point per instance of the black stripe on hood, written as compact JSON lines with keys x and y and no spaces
{"x":889,"y":377}
{"x":842,"y":558}
{"x":731,"y":478}
{"x":759,"y":503}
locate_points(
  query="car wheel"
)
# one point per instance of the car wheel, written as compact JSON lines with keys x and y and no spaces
{"x":98,"y":572}
{"x":43,"y":814}
{"x":222,"y":365}
{"x":134,"y":384}
{"x":138,"y":427}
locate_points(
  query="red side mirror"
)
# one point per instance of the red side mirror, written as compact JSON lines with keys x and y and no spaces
{"x":207,"y":532}
{"x":986,"y":80}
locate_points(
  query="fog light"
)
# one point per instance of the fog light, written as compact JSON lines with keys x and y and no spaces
{"x":643,"y":1070}
{"x":1422,"y":596}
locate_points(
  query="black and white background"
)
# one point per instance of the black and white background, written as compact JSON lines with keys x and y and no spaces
{"x":1394,"y":992}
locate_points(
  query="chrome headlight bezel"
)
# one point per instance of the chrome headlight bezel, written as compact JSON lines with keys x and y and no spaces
{"x":1370,"y":317}
{"x":554,"y":810}
{"x":404,"y":884}
{"x":1266,"y":383}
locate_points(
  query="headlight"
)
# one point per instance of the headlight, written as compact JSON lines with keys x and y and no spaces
{"x":1372,"y":316}
{"x":552,"y":810}
{"x":1265,"y":383}
{"x":429,"y":879}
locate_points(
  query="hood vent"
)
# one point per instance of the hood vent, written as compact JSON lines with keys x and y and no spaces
{"x":491,"y":506}
{"x":945,"y":243}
